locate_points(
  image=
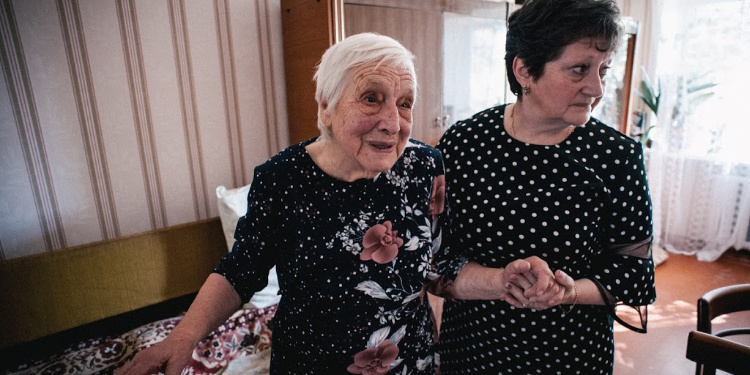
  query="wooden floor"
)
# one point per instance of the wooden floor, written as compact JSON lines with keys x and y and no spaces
{"x":680,"y":281}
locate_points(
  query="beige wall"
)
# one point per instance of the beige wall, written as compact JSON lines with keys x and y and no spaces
{"x":123,"y":116}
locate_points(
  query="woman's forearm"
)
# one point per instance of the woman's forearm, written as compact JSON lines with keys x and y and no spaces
{"x":478,"y":282}
{"x":588,"y":294}
{"x":215,"y":303}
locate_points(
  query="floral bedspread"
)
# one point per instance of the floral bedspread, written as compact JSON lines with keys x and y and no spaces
{"x":239,"y":346}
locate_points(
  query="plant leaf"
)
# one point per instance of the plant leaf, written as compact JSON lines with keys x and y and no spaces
{"x":648,"y":97}
{"x":695,"y":88}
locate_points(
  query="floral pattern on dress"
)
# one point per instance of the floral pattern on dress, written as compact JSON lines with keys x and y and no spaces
{"x":381,"y":243}
{"x":381,"y":354}
{"x":375,"y":361}
{"x":355,"y":255}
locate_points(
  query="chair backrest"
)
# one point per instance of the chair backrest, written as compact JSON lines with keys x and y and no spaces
{"x":711,"y":353}
{"x":720,"y":301}
{"x":709,"y":349}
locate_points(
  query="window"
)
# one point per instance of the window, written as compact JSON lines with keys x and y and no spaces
{"x":702,"y":66}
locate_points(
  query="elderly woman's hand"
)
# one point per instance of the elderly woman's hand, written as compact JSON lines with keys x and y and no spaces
{"x":528,"y":281}
{"x":169,"y":357}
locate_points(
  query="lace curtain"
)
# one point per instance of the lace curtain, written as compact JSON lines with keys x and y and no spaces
{"x":698,"y":162}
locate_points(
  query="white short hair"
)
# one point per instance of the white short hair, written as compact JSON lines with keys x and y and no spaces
{"x":332,"y":74}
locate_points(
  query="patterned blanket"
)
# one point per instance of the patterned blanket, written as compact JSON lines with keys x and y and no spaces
{"x":239,"y":346}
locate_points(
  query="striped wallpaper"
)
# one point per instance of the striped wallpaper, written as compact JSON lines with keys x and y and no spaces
{"x":123,"y":116}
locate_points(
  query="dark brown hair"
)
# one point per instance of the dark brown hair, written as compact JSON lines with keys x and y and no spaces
{"x":540,"y":30}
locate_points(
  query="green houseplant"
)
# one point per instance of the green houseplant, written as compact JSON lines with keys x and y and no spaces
{"x":650,"y":98}
{"x":691,"y":91}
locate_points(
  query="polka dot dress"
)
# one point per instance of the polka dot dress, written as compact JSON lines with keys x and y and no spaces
{"x":571,"y":204}
{"x":352,"y":259}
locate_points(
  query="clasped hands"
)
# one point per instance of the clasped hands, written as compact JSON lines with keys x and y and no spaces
{"x":530,"y":283}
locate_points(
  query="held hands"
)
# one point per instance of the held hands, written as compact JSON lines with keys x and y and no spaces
{"x":530,"y":283}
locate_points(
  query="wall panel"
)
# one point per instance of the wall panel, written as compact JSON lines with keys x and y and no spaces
{"x":160,"y":65}
{"x":118,"y":115}
{"x":123,"y":116}
{"x":19,"y":222}
{"x":60,"y":143}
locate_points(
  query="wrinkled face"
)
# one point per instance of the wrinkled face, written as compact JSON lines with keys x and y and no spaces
{"x":572,"y":85}
{"x":371,"y":122}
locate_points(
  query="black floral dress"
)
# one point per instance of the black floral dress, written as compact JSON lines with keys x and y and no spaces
{"x":352,"y":259}
{"x":582,"y":205}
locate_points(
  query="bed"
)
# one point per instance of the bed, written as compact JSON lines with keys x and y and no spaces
{"x":239,"y":346}
{"x":47,"y":299}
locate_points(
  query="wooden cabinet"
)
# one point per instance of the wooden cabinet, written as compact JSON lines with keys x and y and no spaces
{"x":309,"y":28}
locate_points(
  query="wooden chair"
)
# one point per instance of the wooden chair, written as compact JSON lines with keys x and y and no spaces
{"x":711,"y":350}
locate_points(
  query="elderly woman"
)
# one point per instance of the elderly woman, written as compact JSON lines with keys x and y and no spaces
{"x":542,"y":178}
{"x":346,"y":219}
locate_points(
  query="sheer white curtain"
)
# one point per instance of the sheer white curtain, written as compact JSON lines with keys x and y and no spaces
{"x":699,"y":161}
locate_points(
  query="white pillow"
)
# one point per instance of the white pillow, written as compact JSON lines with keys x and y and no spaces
{"x":232,"y":206}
